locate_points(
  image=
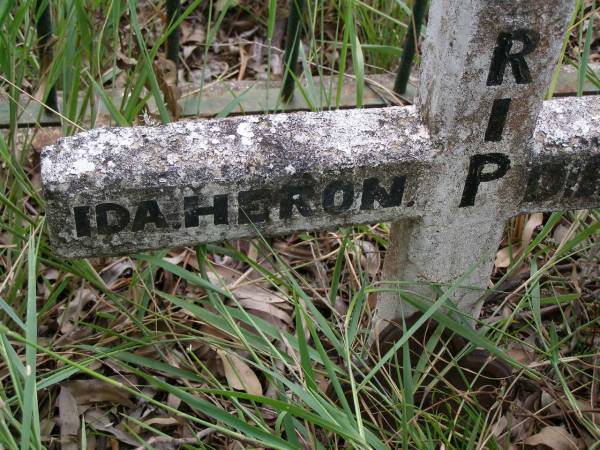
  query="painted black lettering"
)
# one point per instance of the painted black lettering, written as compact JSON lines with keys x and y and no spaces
{"x":545,"y":181}
{"x":329,"y":194}
{"x":193,"y":211}
{"x":502,"y":56}
{"x":111,"y":218}
{"x":373,"y":191}
{"x":253,"y":206}
{"x":82,"y":221}
{"x":477,"y":175}
{"x":589,"y":185}
{"x":147,"y":212}
{"x":497,"y":121}
{"x":561,"y":177}
{"x":298,"y":196}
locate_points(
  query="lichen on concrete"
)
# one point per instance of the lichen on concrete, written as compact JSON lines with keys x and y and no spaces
{"x":309,"y":151}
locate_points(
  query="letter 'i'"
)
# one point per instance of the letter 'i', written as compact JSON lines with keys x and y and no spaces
{"x":501,"y":58}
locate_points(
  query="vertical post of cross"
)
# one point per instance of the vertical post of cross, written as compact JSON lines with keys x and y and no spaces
{"x":486,"y":68}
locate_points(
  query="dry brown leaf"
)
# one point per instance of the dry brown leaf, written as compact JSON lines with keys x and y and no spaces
{"x":243,"y":63}
{"x":113,"y":272}
{"x":261,"y":294}
{"x":173,"y":401}
{"x":222,"y":275}
{"x":239,"y":375}
{"x":192,"y":32}
{"x":196,"y":36}
{"x":44,"y":137}
{"x":371,"y":257}
{"x":279,"y":324}
{"x":503,"y":256}
{"x":166,"y":75}
{"x":177,"y":258}
{"x":258,"y":305}
{"x":554,"y":438}
{"x":73,"y":312}
{"x":96,"y":391}
{"x":209,"y":330}
{"x":521,"y":428}
{"x":188,"y":50}
{"x":236,"y":445}
{"x":549,"y":403}
{"x":589,"y":411}
{"x":127,"y":60}
{"x":257,"y":56}
{"x":165,"y":421}
{"x":69,"y":419}
{"x":47,"y":425}
{"x":340,"y":306}
{"x":99,"y":420}
{"x":560,"y":233}
{"x":251,"y":296}
{"x":500,"y":426}
{"x":276,"y":64}
{"x":520,"y":353}
{"x":535,"y":220}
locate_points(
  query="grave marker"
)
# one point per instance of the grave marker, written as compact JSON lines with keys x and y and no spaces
{"x":485,"y":71}
{"x":455,"y":167}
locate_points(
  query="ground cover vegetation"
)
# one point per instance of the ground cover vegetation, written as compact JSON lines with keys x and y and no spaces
{"x":265,"y":343}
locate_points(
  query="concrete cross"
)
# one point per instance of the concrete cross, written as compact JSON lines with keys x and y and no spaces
{"x":453,"y":168}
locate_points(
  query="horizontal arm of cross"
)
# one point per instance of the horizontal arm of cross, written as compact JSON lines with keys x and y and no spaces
{"x":121,"y":190}
{"x":564,"y":167}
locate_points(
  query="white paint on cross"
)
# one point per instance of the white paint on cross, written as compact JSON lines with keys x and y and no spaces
{"x":455,"y":167}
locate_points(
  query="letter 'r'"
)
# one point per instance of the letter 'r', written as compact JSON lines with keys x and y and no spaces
{"x":502,"y":56}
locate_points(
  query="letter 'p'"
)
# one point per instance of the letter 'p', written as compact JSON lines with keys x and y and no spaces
{"x":477,"y":175}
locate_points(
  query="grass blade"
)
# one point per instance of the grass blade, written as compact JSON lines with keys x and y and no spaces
{"x":30,"y":406}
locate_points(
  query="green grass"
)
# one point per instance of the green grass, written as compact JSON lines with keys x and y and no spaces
{"x":156,"y":331}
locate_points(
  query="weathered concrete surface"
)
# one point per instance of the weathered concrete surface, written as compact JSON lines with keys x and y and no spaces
{"x":564,"y":167}
{"x":328,"y":161}
{"x":261,"y":174}
{"x":485,"y":71}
